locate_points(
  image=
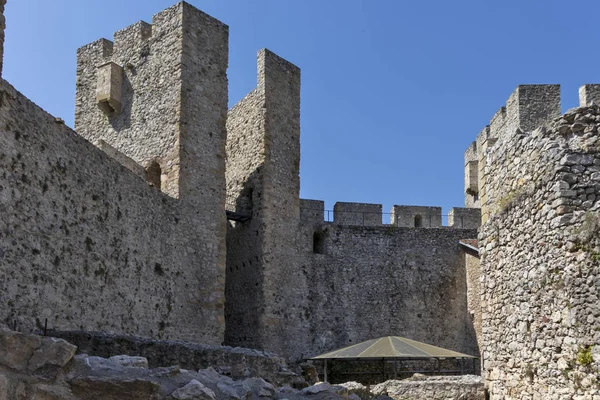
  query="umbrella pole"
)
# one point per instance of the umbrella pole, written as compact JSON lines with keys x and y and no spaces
{"x":325,"y":370}
{"x":383,"y":369}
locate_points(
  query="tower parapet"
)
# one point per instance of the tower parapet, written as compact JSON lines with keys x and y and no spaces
{"x":530,"y":106}
{"x":527,"y":108}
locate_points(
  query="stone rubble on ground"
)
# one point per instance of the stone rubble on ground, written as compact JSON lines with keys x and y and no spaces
{"x":45,"y":368}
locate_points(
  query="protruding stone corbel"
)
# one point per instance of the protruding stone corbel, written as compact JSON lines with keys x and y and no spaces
{"x":109,"y":88}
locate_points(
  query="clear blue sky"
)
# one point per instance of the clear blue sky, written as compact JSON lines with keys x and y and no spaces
{"x":393,"y":91}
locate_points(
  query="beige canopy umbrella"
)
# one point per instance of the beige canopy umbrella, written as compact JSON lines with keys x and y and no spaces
{"x":392,"y":348}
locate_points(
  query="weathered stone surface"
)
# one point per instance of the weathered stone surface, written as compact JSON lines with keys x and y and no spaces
{"x":308,"y":372}
{"x":539,"y":252}
{"x":301,"y":280}
{"x":259,"y":387}
{"x":149,"y":257}
{"x":193,"y":391}
{"x":53,"y":352}
{"x":351,"y":386}
{"x":131,"y":361}
{"x":97,"y":388}
{"x":433,"y":388}
{"x":52,"y":392}
{"x":90,"y":378}
{"x":231,"y":391}
{"x":263,"y":150}
{"x":3,"y":387}
{"x":238,"y":363}
{"x":16,"y":349}
{"x":317,"y":388}
{"x":354,"y":285}
{"x":82,"y":229}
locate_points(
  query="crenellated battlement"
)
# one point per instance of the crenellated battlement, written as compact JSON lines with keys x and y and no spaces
{"x":527,"y":108}
{"x":133,"y":38}
{"x":401,"y":216}
{"x":363,"y":214}
{"x":416,"y":216}
{"x":589,"y":94}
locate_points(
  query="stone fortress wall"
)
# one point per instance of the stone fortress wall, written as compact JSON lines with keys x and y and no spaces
{"x":351,"y":282}
{"x":539,"y":190}
{"x":370,"y":279}
{"x":373,"y":281}
{"x":129,"y":235}
{"x":296,"y":285}
{"x":88,"y":244}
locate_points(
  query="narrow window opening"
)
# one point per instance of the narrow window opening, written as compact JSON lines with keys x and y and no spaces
{"x":418,"y":221}
{"x":153,"y":174}
{"x":319,"y":242}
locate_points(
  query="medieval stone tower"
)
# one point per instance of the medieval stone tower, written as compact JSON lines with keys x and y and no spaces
{"x":263,"y":162}
{"x":535,"y":173}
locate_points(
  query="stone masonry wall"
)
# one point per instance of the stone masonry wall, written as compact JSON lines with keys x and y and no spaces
{"x":378,"y":281}
{"x":282,"y":319}
{"x":173,"y":103}
{"x":87,"y":244}
{"x":527,"y":107}
{"x":469,"y":218}
{"x":416,"y":216}
{"x":263,"y":150}
{"x":244,"y":283}
{"x":540,"y":259}
{"x":473,"y":275}
{"x":467,"y":387}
